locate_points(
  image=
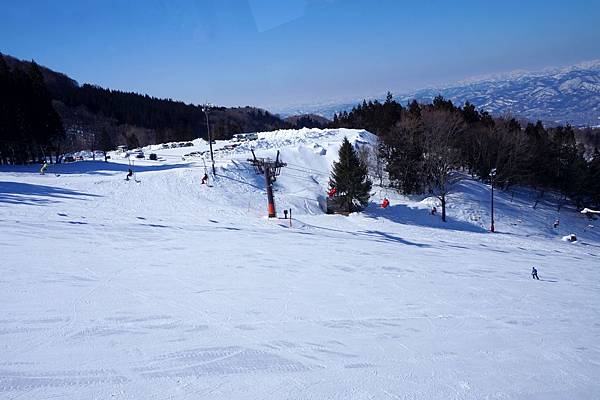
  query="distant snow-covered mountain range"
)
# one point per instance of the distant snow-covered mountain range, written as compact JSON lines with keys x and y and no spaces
{"x":555,"y":95}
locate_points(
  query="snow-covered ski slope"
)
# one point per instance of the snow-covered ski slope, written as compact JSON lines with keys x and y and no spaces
{"x":168,"y":289}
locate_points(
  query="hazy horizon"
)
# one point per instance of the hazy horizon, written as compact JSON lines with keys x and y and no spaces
{"x":265,"y":54}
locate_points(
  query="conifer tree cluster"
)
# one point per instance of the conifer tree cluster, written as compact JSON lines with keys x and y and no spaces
{"x":428,"y":147}
{"x":36,"y":103}
{"x":350,"y":179}
{"x":106,"y":143}
{"x":30,"y":128}
{"x":170,"y":120}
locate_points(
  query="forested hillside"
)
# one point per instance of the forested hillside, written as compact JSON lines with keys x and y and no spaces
{"x":426,"y":147}
{"x":77,"y":116}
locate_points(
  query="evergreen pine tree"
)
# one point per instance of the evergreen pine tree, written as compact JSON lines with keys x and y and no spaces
{"x":106,"y":143}
{"x":593,"y":178}
{"x":403,"y":150}
{"x":6,"y":112}
{"x":132,"y":141}
{"x":389,"y":98}
{"x":46,"y":125}
{"x":414,"y":108}
{"x":349,"y":178}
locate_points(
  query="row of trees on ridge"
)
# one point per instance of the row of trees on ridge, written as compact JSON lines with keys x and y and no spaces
{"x":427,"y":148}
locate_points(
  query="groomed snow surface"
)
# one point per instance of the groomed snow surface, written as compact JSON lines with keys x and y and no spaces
{"x":169,"y":289}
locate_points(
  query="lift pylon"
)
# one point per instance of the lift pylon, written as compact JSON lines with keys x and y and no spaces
{"x":270,"y":169}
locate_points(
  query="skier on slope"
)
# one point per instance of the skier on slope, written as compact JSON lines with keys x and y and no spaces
{"x":385,"y":203}
{"x":44,"y":168}
{"x":129,"y":174}
{"x":332,"y":192}
{"x":534,"y":274}
{"x":205,"y":179}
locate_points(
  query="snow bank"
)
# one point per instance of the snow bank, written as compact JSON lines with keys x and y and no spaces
{"x":589,"y":211}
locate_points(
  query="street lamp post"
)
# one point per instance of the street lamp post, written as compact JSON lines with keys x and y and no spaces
{"x":212,"y":158}
{"x":493,"y":175}
{"x":93,"y":146}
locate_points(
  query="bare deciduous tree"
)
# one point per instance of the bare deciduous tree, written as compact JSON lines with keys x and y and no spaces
{"x":371,"y":157}
{"x":442,"y":157}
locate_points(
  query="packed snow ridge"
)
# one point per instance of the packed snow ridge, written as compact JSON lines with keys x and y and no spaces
{"x":163,"y":288}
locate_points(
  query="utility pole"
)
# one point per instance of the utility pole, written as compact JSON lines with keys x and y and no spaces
{"x":493,"y":175}
{"x":93,"y":146}
{"x":205,"y":108}
{"x":270,"y":169}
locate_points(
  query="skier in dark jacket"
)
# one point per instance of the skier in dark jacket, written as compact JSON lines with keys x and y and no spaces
{"x":129,"y":174}
{"x":205,"y":179}
{"x":534,"y":274}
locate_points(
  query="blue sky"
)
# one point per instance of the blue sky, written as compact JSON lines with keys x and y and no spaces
{"x":276,"y":53}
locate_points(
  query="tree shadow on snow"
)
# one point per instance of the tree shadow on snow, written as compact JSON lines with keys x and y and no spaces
{"x":391,"y":238}
{"x":402,"y":214}
{"x":26,"y":193}
{"x":90,"y":167}
{"x":377,"y":235}
{"x":251,"y":184}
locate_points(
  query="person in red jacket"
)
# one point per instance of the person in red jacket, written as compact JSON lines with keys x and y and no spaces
{"x":385,"y":203}
{"x":332,"y":192}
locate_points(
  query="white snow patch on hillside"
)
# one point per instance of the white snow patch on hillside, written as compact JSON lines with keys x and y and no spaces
{"x":169,"y":289}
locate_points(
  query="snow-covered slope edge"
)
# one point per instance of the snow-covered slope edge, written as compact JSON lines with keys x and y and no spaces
{"x":169,"y":289}
{"x":309,"y":153}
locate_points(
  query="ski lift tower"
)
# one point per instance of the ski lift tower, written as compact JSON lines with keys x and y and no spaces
{"x":205,"y":109}
{"x":270,"y":169}
{"x":493,"y":176}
